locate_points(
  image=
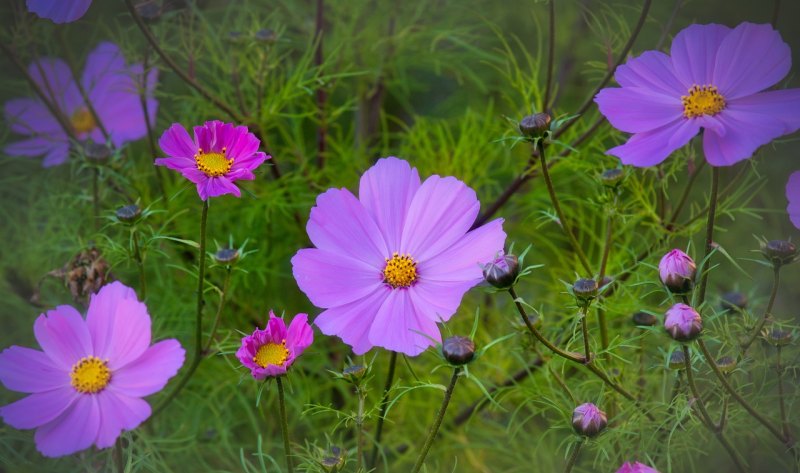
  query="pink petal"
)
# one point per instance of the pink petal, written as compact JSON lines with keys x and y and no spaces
{"x":150,"y":372}
{"x":652,"y":70}
{"x":694,"y":53}
{"x":299,"y":335}
{"x":177,"y":143}
{"x":39,"y":408}
{"x":63,"y":336}
{"x":59,"y":11}
{"x":351,"y":322}
{"x":782,"y":105}
{"x":793,"y":196}
{"x":177,"y":163}
{"x":438,"y":300}
{"x":635,"y":110}
{"x":118,"y":412}
{"x":30,"y":371}
{"x":463,"y":262}
{"x":119,"y":325}
{"x":386,"y":191}
{"x":331,"y":279}
{"x":75,"y":430}
{"x":240,"y":143}
{"x":399,"y":326}
{"x":31,"y":117}
{"x":248,"y":163}
{"x":743,"y":134}
{"x":276,"y":328}
{"x":55,"y":79}
{"x":217,"y":186}
{"x":652,"y":147}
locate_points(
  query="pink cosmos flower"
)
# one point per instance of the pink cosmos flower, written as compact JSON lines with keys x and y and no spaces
{"x":793,"y":196}
{"x":712,"y":80}
{"x":636,"y":467}
{"x":270,"y":352}
{"x":589,"y":420}
{"x":59,"y":11}
{"x":113,"y":89}
{"x":87,"y":384}
{"x":393,"y":262}
{"x":677,"y":271}
{"x":683,"y":322}
{"x":220,"y":154}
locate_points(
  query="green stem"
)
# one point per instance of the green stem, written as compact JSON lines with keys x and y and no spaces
{"x":360,"y":429}
{"x":585,"y":331}
{"x":685,"y":196}
{"x":137,"y":255}
{"x":574,"y":457}
{"x":784,"y":419}
{"x":96,"y":196}
{"x":287,"y":448}
{"x":767,"y":313}
{"x":712,"y":212}
{"x":551,"y":47}
{"x":218,"y":316}
{"x":437,"y":422}
{"x":576,"y":247}
{"x":384,"y":405}
{"x":118,"y":455}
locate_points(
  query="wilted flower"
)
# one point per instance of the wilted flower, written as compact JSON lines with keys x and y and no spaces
{"x":588,"y":420}
{"x":113,"y":89}
{"x":677,"y":271}
{"x":393,"y":262}
{"x":85,"y":274}
{"x":270,"y":352}
{"x":683,"y":322}
{"x":502,"y":272}
{"x":220,"y":154}
{"x":711,"y":80}
{"x":636,"y":467}
{"x":793,"y":196}
{"x":59,"y":11}
{"x":458,"y":350}
{"x":87,"y":384}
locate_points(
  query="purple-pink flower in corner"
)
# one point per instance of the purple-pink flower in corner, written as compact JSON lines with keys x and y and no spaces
{"x":636,"y":467}
{"x":113,"y":89}
{"x":270,"y":352}
{"x":87,"y":384}
{"x":59,"y":11}
{"x":589,"y":420}
{"x":793,"y":196}
{"x":712,"y":80}
{"x":392,"y":262}
{"x":220,"y":154}
{"x":683,"y":322}
{"x":677,"y":271}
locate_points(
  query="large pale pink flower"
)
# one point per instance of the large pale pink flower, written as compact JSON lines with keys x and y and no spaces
{"x":87,"y":384}
{"x":270,"y":352}
{"x":793,"y":196}
{"x":712,"y":80}
{"x":392,"y":262}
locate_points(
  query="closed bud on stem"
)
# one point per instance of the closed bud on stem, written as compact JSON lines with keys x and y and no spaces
{"x":458,"y":350}
{"x":129,"y":213}
{"x":677,"y":271}
{"x":588,"y":420}
{"x":779,"y":337}
{"x":733,"y":301}
{"x":95,"y":151}
{"x":726,"y":364}
{"x":677,"y":360}
{"x":535,"y":126}
{"x":585,"y":291}
{"x":683,"y":323}
{"x":644,"y":319}
{"x":266,"y":35}
{"x":779,"y":252}
{"x":502,"y":272}
{"x":354,"y":373}
{"x":612,"y":178}
{"x":334,"y":462}
{"x":226,"y":256}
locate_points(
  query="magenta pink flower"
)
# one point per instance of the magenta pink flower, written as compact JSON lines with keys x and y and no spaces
{"x":220,"y":154}
{"x":711,"y":80}
{"x":677,"y":271}
{"x":393,"y":262}
{"x":589,"y":420}
{"x":636,"y":467}
{"x":59,"y":11}
{"x":270,"y":352}
{"x":113,"y":89}
{"x":683,"y":322}
{"x":86,"y":387}
{"x":793,"y":196}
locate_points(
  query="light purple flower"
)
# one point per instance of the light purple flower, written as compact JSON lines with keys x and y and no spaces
{"x":589,"y":420}
{"x":677,"y":271}
{"x":393,"y":262}
{"x":793,"y":196}
{"x":220,"y":154}
{"x":683,"y":322}
{"x":59,"y":11}
{"x":636,"y":467}
{"x":87,"y":384}
{"x":712,"y":80}
{"x":113,"y":89}
{"x":270,"y":352}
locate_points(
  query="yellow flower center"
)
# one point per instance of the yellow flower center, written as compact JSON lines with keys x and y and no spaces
{"x":271,"y":354}
{"x":82,"y":121}
{"x":90,"y":375}
{"x":705,"y":100}
{"x":213,"y":164}
{"x":400,"y":271}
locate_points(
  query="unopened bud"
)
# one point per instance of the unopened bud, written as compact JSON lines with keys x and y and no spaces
{"x":96,"y":151}
{"x":266,"y":35}
{"x":458,"y":350}
{"x":726,"y":364}
{"x":502,"y":272}
{"x":677,"y":271}
{"x":644,"y":319}
{"x":779,"y":252}
{"x":226,"y":256}
{"x":677,"y":360}
{"x":779,"y":337}
{"x":535,"y":126}
{"x":612,"y":177}
{"x":683,"y":323}
{"x":588,"y":420}
{"x":585,"y":290}
{"x":129,"y":213}
{"x":354,"y":372}
{"x":733,"y":301}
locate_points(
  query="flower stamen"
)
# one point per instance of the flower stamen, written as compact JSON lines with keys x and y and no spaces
{"x":705,"y":100}
{"x":400,"y":271}
{"x":271,"y":354}
{"x":90,"y":375}
{"x":213,"y":164}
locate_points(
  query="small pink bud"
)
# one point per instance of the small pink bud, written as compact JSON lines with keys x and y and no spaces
{"x":636,"y":467}
{"x":588,"y":420}
{"x":677,"y":271}
{"x":683,"y":322}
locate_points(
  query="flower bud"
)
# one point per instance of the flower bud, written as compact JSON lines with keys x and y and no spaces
{"x":644,"y":319}
{"x":588,"y":420}
{"x":612,"y":177}
{"x":535,"y":126}
{"x":636,"y":467}
{"x":266,"y":35}
{"x":779,"y":337}
{"x":458,"y":350}
{"x":129,"y":213}
{"x":677,"y":271}
{"x":584,"y":290}
{"x":502,"y":272}
{"x":334,"y":462}
{"x":354,"y":372}
{"x":149,"y":10}
{"x":683,"y":322}
{"x":726,"y":364}
{"x":96,"y":151}
{"x":226,"y":256}
{"x":779,"y":252}
{"x":677,"y":360}
{"x":733,"y":302}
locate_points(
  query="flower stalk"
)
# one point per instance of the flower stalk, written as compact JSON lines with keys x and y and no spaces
{"x":712,"y":212}
{"x":384,"y":406}
{"x":767,"y":313}
{"x":434,"y":429}
{"x":225,"y":286}
{"x":573,"y":458}
{"x":287,"y":448}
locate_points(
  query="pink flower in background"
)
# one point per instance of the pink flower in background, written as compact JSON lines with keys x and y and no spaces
{"x":683,"y":322}
{"x":220,"y":154}
{"x":87,"y":384}
{"x":270,"y":352}
{"x":636,"y":467}
{"x":712,"y":80}
{"x":113,"y":88}
{"x":393,"y":262}
{"x":793,"y":196}
{"x":59,"y":11}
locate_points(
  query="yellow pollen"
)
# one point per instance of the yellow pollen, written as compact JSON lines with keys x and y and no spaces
{"x":213,"y":164}
{"x":82,"y":121}
{"x":705,"y":100}
{"x":400,"y":271}
{"x":90,"y":375}
{"x":271,"y":354}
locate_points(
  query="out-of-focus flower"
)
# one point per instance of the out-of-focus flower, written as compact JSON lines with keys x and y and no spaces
{"x":683,"y":322}
{"x":793,"y":196}
{"x":86,"y":385}
{"x":589,"y":420}
{"x":712,"y":80}
{"x":270,"y":352}
{"x":677,"y":271}
{"x":59,"y":11}
{"x":636,"y":467}
{"x":113,"y":89}
{"x":219,"y":155}
{"x":393,"y":262}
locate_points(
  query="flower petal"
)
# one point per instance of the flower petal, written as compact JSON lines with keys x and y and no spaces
{"x":438,"y":300}
{"x":177,"y":143}
{"x":31,"y":117}
{"x":386,"y":191}
{"x":743,"y":134}
{"x":63,"y":336}
{"x":39,"y":408}
{"x":636,"y":110}
{"x":119,"y":325}
{"x":652,"y":147}
{"x":30,"y":371}
{"x":59,"y":11}
{"x":399,"y":326}
{"x":299,"y":336}
{"x":694,"y":53}
{"x":150,"y":372}
{"x":331,"y":279}
{"x":463,"y":261}
{"x":75,"y":430}
{"x":217,"y":186}
{"x":59,"y":154}
{"x":781,"y":105}
{"x":651,"y":70}
{"x":118,"y":412}
{"x":54,"y":78}
{"x":351,"y":322}
{"x":793,"y":196}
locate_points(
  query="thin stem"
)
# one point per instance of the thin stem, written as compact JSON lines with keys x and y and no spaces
{"x":322,"y":95}
{"x":712,"y":211}
{"x":551,"y":48}
{"x":601,"y":314}
{"x":668,"y":26}
{"x":384,"y":405}
{"x":287,"y":448}
{"x":704,"y":413}
{"x":360,"y":429}
{"x":784,"y":419}
{"x":574,"y":457}
{"x":119,"y":455}
{"x":218,"y":316}
{"x":137,"y":255}
{"x":576,"y":247}
{"x":602,"y":321}
{"x":574,"y":357}
{"x":585,"y":330}
{"x":767,"y":313}
{"x":437,"y":422}
{"x":151,"y":140}
{"x":776,"y":8}
{"x":96,"y":196}
{"x":685,"y":196}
